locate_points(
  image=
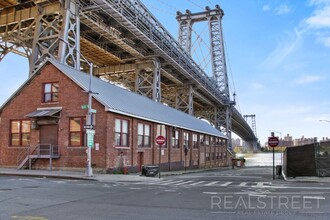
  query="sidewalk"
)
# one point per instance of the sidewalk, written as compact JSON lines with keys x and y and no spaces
{"x":133,"y":177}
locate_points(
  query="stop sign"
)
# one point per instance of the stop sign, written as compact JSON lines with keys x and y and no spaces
{"x":160,"y":140}
{"x":273,"y":141}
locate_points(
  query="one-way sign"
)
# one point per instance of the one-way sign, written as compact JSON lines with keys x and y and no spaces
{"x":273,"y":141}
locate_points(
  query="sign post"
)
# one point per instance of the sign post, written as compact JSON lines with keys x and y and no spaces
{"x":273,"y":142}
{"x":160,"y":141}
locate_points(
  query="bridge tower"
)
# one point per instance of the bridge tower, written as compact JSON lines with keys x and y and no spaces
{"x":219,"y":116}
{"x":43,"y":29}
{"x":254,"y":129}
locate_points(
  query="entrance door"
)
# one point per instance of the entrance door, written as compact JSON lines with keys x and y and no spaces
{"x":48,"y":136}
{"x":140,"y":161}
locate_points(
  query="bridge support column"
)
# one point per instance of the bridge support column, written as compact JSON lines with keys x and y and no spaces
{"x":148,"y":80}
{"x":184,"y":99}
{"x":56,"y":35}
{"x":222,"y":118}
{"x":185,"y":30}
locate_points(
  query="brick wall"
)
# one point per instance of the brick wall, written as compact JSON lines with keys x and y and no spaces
{"x":108,"y":157}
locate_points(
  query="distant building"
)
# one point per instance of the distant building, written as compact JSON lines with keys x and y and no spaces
{"x":236,"y":142}
{"x":303,"y":141}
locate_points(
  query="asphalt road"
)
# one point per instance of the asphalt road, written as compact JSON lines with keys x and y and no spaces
{"x":248,"y":193}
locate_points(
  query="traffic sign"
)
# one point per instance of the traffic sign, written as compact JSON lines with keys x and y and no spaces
{"x":84,"y":107}
{"x":160,"y":140}
{"x":273,"y":141}
{"x":90,"y":138}
{"x":90,"y":127}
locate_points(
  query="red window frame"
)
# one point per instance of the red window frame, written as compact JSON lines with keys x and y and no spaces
{"x":20,"y":132}
{"x":53,"y":93}
{"x":121,"y":136}
{"x":80,"y":132}
{"x":144,"y":138}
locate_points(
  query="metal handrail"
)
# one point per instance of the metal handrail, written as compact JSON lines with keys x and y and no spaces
{"x":38,"y":150}
{"x":23,"y":154}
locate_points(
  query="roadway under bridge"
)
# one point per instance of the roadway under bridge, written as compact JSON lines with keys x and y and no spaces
{"x":127,"y":45}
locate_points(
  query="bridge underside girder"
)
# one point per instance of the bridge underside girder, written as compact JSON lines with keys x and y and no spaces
{"x":119,"y":50}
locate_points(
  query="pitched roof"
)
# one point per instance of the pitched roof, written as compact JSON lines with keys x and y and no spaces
{"x":122,"y":101}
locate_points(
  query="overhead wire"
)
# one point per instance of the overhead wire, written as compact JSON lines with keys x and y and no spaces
{"x":231,"y":73}
{"x":195,"y":4}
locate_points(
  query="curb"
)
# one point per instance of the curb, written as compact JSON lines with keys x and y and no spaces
{"x":48,"y":176}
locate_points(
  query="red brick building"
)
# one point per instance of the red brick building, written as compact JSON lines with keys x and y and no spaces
{"x":42,"y":124}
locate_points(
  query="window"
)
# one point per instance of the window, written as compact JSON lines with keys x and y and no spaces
{"x":194,"y":141}
{"x":206,"y":140}
{"x":186,"y":140}
{"x":50,"y":92}
{"x":207,"y":156}
{"x":143,"y":135}
{"x":121,"y":132}
{"x":20,"y":132}
{"x":175,"y":139}
{"x":77,"y":135}
{"x":201,"y":139}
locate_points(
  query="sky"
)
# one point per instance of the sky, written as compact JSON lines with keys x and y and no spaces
{"x":277,"y":55}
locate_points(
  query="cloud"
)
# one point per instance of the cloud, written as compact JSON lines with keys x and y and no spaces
{"x":284,"y":48}
{"x":325,"y":40}
{"x":320,"y":18}
{"x":307,"y":79}
{"x":257,"y":86}
{"x":265,"y":8}
{"x":289,"y":111}
{"x":282,"y":9}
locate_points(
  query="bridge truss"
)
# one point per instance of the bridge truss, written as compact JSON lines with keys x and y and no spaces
{"x":128,"y":46}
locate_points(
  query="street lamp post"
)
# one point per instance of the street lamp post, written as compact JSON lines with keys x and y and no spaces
{"x":89,"y":122}
{"x":89,"y":169}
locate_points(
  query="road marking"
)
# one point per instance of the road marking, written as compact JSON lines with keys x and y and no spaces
{"x":211,"y":183}
{"x":194,"y":184}
{"x":178,"y":184}
{"x":242,"y":184}
{"x":172,"y":182}
{"x":226,"y":184}
{"x":296,"y":187}
{"x":158,"y":182}
{"x":261,"y":184}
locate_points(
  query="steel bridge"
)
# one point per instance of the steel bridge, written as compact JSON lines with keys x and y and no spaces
{"x":127,"y":45}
